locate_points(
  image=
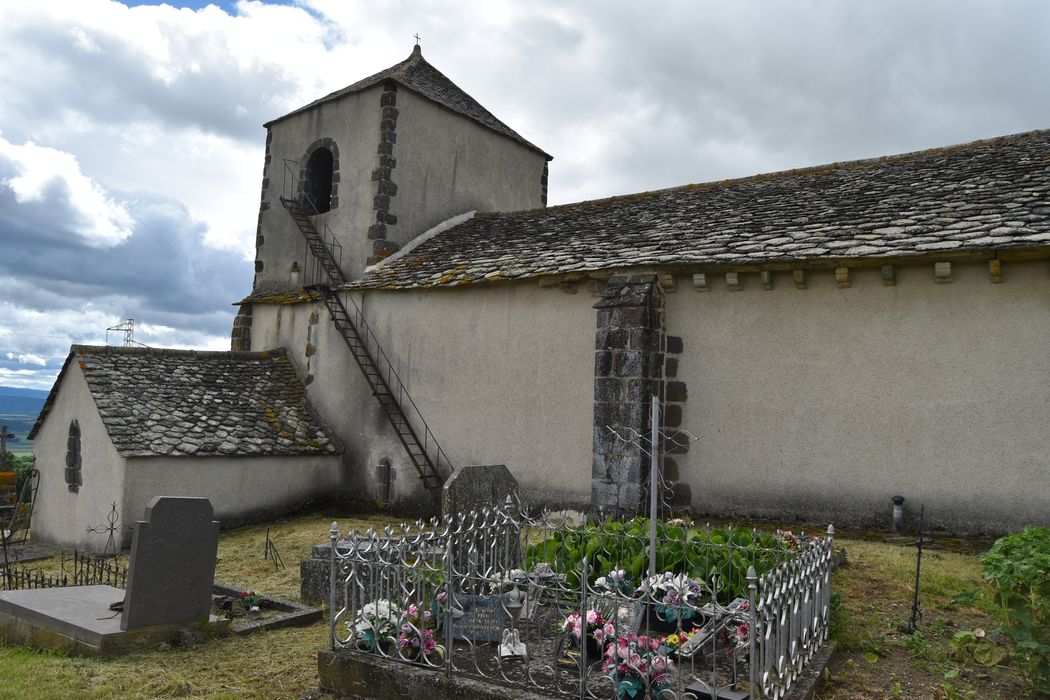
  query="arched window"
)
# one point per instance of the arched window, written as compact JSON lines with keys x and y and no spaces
{"x":73,"y":478}
{"x":318,"y":182}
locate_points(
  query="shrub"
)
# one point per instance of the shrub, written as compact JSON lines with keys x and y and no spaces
{"x":1018,"y":567}
{"x":624,"y":545}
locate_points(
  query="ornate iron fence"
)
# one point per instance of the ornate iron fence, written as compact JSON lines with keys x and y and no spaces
{"x":578,"y":610}
{"x":76,"y":570}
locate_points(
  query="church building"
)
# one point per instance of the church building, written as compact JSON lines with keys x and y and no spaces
{"x":817,"y":341}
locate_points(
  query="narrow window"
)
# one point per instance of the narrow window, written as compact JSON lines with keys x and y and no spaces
{"x":73,"y":457}
{"x":318,"y":185}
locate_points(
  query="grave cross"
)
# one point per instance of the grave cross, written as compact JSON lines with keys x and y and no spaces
{"x":4,"y":437}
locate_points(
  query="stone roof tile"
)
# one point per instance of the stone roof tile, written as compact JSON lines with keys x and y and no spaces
{"x":190,"y":403}
{"x":992,"y":194}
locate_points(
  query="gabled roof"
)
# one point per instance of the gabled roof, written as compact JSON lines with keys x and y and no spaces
{"x":983,"y":196}
{"x":160,"y":402}
{"x":419,"y":76}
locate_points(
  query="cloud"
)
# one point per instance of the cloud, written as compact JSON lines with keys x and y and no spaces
{"x":62,"y":287}
{"x":27,"y":359}
{"x":132,"y":146}
{"x":40,"y":177}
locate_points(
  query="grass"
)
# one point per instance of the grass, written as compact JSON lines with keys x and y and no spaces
{"x":879,"y":658}
{"x":874,"y":593}
{"x":277,"y":664}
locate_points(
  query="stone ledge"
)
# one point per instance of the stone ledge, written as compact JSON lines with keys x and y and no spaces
{"x":355,"y":676}
{"x":371,"y":677}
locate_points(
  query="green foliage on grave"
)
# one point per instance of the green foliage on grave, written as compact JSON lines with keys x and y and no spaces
{"x":723,"y":554}
{"x":1018,"y":567}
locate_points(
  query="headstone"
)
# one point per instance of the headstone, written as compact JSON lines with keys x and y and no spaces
{"x":477,"y":487}
{"x":172,"y":564}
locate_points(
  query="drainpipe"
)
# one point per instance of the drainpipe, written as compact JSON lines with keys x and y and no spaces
{"x":898,"y":513}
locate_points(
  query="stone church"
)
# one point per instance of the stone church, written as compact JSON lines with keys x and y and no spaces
{"x":834,"y":336}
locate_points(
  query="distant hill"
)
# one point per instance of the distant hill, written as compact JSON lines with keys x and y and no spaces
{"x":30,"y":393}
{"x":18,"y":411}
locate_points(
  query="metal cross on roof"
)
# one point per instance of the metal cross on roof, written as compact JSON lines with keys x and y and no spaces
{"x":416,"y":35}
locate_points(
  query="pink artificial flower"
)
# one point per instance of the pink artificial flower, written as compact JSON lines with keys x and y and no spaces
{"x":635,"y":660}
{"x":609,"y":630}
{"x":592,"y":617}
{"x":654,"y":644}
{"x":442,"y":596}
{"x":412,"y":610}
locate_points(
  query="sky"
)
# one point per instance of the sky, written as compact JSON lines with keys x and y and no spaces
{"x":131,"y":139}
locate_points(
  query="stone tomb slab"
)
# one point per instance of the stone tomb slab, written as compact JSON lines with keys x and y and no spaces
{"x":77,"y":619}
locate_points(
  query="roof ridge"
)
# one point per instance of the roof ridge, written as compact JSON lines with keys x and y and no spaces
{"x":760,"y":177}
{"x":974,"y":198}
{"x":77,"y":348}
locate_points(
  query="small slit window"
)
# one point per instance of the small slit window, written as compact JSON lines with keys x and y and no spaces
{"x":318,"y":185}
{"x":73,"y":474}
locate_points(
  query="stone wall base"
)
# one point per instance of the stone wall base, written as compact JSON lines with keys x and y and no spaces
{"x":361,"y":676}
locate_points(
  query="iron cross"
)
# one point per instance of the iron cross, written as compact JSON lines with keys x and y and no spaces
{"x":416,"y":35}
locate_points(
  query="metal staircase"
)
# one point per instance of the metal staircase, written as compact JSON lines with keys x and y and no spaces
{"x":412,"y":430}
{"x":422,"y":448}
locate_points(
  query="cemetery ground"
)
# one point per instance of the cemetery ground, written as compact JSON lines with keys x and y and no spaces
{"x":872,"y":598}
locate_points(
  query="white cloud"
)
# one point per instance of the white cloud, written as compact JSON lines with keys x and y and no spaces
{"x":27,"y":358}
{"x":136,"y":132}
{"x":39,"y":173}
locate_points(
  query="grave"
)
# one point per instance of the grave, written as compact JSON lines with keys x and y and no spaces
{"x":172,"y":566}
{"x":477,"y":487}
{"x":170,"y":583}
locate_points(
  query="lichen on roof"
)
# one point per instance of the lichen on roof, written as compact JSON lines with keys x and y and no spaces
{"x":188,"y":403}
{"x":983,"y":196}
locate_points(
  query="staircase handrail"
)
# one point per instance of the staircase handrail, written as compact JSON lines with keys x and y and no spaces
{"x":442,"y":461}
{"x":292,"y":189}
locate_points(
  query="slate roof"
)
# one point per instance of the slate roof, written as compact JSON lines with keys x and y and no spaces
{"x":419,"y":76}
{"x":181,"y":403}
{"x":983,"y":196}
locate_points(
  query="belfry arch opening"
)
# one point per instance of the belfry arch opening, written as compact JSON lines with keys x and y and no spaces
{"x":318,"y":181}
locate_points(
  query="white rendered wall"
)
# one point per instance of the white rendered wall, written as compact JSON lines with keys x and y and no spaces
{"x":61,"y":517}
{"x":503,"y":374}
{"x":823,"y":403}
{"x":353,"y":123}
{"x":241,"y":489}
{"x":448,"y":164}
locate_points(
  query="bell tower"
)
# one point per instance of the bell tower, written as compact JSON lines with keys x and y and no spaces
{"x":374,"y":165}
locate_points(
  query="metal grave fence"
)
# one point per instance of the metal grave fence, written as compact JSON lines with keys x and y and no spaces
{"x":532,"y":602}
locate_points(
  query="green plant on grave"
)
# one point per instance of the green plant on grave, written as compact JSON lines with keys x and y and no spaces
{"x":1018,"y":567}
{"x":624,"y":544}
{"x":976,"y":646}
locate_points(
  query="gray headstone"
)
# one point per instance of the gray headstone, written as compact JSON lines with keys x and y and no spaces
{"x":172,"y":564}
{"x":477,"y":487}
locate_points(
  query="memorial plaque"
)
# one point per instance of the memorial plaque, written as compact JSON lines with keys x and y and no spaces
{"x":483,"y":618}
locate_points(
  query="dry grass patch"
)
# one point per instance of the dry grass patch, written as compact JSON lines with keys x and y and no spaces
{"x":277,"y":664}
